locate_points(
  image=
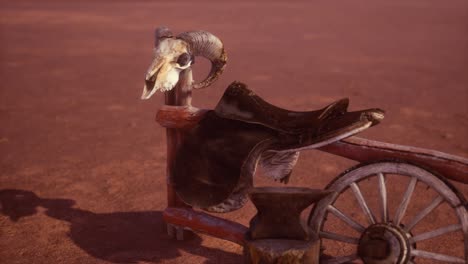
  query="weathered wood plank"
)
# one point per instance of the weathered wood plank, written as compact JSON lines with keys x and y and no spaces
{"x":181,"y":117}
{"x":364,"y":150}
{"x":205,"y":223}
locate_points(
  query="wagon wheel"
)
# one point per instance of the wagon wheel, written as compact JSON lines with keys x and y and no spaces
{"x":394,"y":236}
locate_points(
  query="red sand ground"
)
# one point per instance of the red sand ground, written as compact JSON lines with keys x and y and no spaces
{"x":88,"y":161}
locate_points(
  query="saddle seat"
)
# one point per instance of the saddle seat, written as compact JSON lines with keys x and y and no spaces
{"x":325,"y":125}
{"x":214,"y":166}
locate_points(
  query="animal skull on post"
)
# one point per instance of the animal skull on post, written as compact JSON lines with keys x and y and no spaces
{"x":172,"y":55}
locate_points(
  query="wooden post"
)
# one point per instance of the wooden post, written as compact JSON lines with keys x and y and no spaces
{"x":284,"y":251}
{"x":180,"y":95}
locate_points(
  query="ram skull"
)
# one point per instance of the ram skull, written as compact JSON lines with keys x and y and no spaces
{"x":172,"y":55}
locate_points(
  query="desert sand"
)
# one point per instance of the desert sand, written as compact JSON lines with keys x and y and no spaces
{"x":82,"y":161}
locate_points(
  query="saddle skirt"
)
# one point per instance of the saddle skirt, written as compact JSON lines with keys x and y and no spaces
{"x":215,"y":164}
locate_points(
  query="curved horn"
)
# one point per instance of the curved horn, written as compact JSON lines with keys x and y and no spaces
{"x":205,"y":44}
{"x":161,"y":32}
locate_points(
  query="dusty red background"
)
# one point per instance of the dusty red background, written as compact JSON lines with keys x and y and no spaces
{"x":87,"y":159}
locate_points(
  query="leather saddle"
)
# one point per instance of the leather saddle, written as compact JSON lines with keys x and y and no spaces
{"x":215,"y":164}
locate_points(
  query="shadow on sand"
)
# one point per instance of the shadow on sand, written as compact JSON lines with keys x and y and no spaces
{"x":120,"y":237}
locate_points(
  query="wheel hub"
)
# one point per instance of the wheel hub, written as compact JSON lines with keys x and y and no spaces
{"x":384,"y":244}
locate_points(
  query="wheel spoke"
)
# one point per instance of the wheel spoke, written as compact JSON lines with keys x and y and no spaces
{"x":337,"y":237}
{"x":339,"y":260}
{"x":435,"y":256}
{"x":424,"y":213}
{"x":356,"y":226}
{"x":383,"y":197}
{"x":406,"y":199}
{"x":382,"y":210}
{"x":362,"y":203}
{"x":436,"y":233}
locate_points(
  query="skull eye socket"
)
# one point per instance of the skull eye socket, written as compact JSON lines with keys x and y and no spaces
{"x":184,"y":59}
